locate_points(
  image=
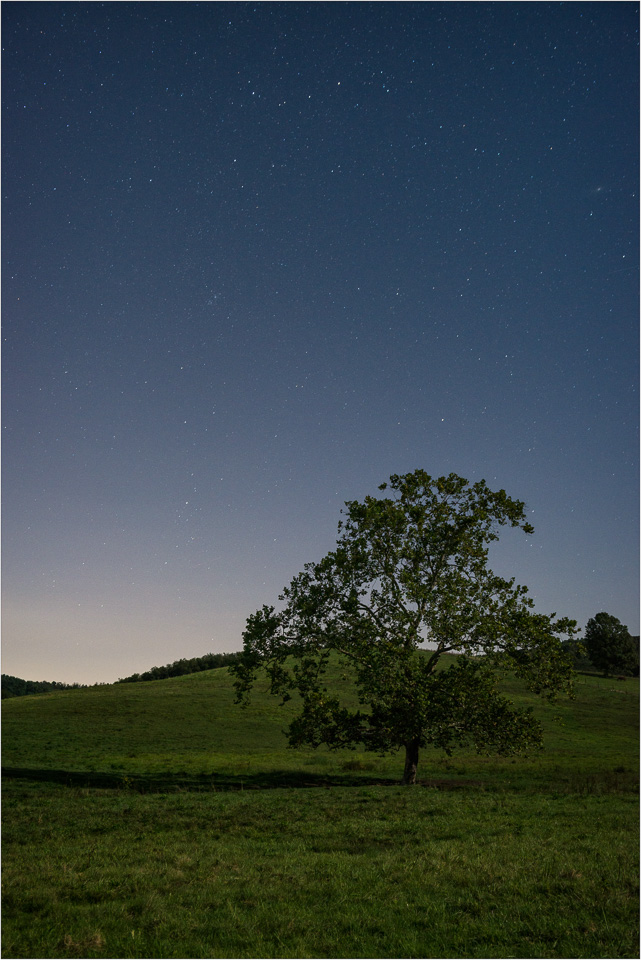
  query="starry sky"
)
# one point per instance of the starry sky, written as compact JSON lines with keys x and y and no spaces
{"x":259,"y":256}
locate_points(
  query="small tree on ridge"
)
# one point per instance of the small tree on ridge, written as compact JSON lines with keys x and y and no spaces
{"x":610,"y":647}
{"x":410,"y":569}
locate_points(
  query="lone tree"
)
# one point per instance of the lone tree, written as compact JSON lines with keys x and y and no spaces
{"x":610,"y":647}
{"x":410,"y":570}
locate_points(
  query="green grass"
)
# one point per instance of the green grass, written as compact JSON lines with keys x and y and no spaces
{"x":357,"y":872}
{"x":189,"y":727}
{"x":135,"y":826}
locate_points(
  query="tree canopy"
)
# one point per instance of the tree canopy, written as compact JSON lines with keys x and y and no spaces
{"x":610,"y":647}
{"x":407,"y":583}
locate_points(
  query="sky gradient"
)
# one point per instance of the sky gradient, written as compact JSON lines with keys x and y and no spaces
{"x":258,"y":257}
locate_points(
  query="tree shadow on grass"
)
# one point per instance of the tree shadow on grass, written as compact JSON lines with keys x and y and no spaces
{"x":170,"y":783}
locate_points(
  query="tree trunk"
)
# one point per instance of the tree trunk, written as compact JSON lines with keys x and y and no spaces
{"x":411,"y":762}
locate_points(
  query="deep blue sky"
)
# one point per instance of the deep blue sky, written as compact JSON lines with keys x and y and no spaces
{"x":258,"y":257}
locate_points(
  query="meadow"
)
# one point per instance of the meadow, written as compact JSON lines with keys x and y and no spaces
{"x":158,"y":819}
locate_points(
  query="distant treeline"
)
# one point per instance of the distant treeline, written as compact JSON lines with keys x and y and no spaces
{"x":15,"y":687}
{"x":181,"y":667}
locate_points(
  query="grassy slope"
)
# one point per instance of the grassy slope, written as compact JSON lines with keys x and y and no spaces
{"x":190,"y":726}
{"x":537,"y":860}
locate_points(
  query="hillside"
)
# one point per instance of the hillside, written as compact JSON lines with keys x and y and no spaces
{"x":188,"y":728}
{"x":17,"y":687}
{"x":135,"y":826}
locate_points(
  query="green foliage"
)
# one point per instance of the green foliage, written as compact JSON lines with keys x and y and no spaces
{"x":180,"y":668}
{"x":610,"y":647}
{"x":577,"y":653}
{"x":408,"y":570}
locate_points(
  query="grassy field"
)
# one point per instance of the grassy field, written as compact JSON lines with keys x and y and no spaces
{"x":159,"y":820}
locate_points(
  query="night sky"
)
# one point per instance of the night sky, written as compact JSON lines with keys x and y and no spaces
{"x":259,"y":256}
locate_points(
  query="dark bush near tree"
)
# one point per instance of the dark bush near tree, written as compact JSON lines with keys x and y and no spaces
{"x":577,"y":652}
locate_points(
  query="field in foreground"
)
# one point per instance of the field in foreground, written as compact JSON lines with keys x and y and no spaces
{"x":135,"y":827}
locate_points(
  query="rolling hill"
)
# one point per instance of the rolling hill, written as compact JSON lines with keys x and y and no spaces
{"x":189,"y":726}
